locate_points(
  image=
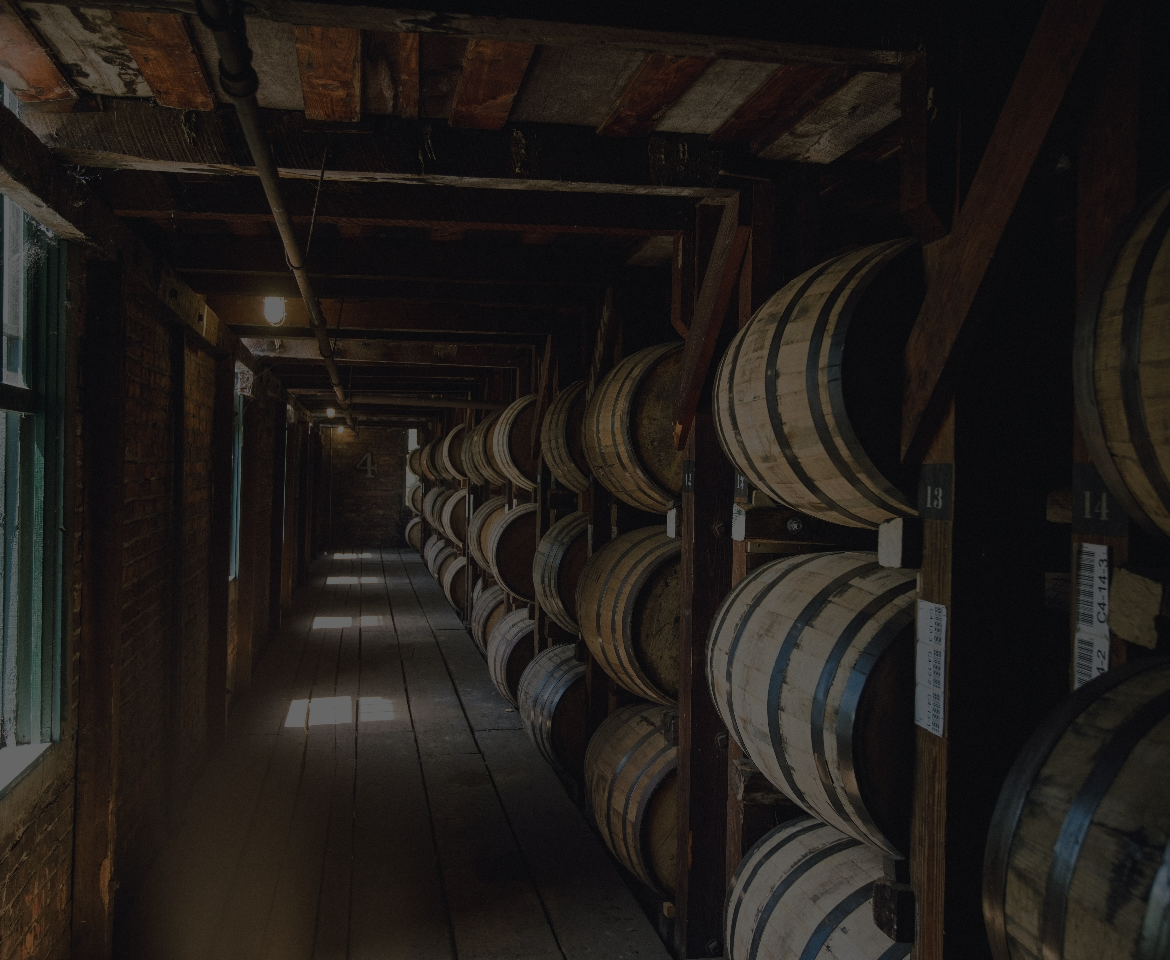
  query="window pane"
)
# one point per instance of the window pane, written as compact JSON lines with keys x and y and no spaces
{"x":17,"y":263}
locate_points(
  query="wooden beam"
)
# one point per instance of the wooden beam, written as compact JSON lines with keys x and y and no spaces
{"x":620,"y":33}
{"x":714,"y":297}
{"x":320,"y":398}
{"x":132,"y":135}
{"x":657,"y":83}
{"x":917,"y":211}
{"x":280,"y":346}
{"x":219,"y":549}
{"x":682,"y":283}
{"x":408,"y":75}
{"x":166,"y":56}
{"x":492,"y":73}
{"x":26,"y":67}
{"x":961,"y":259}
{"x":793,"y":90}
{"x":330,"y":64}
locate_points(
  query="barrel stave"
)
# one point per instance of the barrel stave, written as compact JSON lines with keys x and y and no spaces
{"x":510,"y":648}
{"x":560,"y":438}
{"x":479,"y":529}
{"x":556,"y":568}
{"x":490,"y":606}
{"x":554,"y":708}
{"x":511,"y":441}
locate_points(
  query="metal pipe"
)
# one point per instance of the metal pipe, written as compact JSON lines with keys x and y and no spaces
{"x":239,"y":81}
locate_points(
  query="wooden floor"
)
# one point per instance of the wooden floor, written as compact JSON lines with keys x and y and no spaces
{"x":429,"y":828}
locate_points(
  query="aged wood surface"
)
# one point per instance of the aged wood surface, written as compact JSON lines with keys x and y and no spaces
{"x":789,"y":93}
{"x":330,"y":64}
{"x":492,"y":73}
{"x":657,"y":83}
{"x":89,"y":41}
{"x":963,"y":255}
{"x":26,"y":67}
{"x":715,"y":96}
{"x":165,"y":53}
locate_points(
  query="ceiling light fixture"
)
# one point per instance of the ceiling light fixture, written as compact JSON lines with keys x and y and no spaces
{"x":274,"y":310}
{"x":330,"y":413}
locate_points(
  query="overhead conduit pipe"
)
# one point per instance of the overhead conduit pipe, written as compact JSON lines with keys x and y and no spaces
{"x":239,"y":81}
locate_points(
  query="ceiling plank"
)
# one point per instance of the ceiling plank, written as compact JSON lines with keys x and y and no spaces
{"x":330,"y":64}
{"x":865,"y":105}
{"x":408,"y":75}
{"x":714,"y":98}
{"x":26,"y":67}
{"x":405,"y":400}
{"x":670,"y":40}
{"x":89,"y":48}
{"x":163,"y":48}
{"x":278,"y":345}
{"x":492,"y":73}
{"x":131,"y":134}
{"x":793,"y":90}
{"x":657,"y":83}
{"x":379,"y":72}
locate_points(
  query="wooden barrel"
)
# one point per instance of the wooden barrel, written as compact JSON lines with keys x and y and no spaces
{"x":560,"y":438}
{"x":451,"y":452}
{"x":1120,"y":356}
{"x":414,"y":497}
{"x":490,"y":607}
{"x":494,"y":470}
{"x":453,"y":516}
{"x":628,"y":609}
{"x":414,"y":461}
{"x":630,"y":775}
{"x":429,"y":463}
{"x":628,"y":431}
{"x":444,"y":560}
{"x":806,"y":890}
{"x":432,"y":544}
{"x":477,"y":589}
{"x":510,"y":649}
{"x":479,"y":530}
{"x":511,"y":549}
{"x":556,"y":568}
{"x":454,"y":583}
{"x":512,"y":442}
{"x":1077,"y":864}
{"x":414,"y":532}
{"x":554,"y":708}
{"x":471,"y":464}
{"x":429,"y":504}
{"x":810,"y":661}
{"x":438,"y":553}
{"x":808,"y":397}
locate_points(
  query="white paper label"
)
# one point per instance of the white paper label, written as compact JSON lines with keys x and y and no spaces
{"x":930,"y":667}
{"x":1092,"y":657}
{"x":738,"y":522}
{"x":1091,"y":645}
{"x":672,"y":522}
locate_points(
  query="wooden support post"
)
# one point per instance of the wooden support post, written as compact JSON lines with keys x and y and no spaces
{"x":103,"y":411}
{"x":219,"y":563}
{"x":276,"y":533}
{"x":293,"y":489}
{"x":702,"y":738}
{"x":246,"y":598}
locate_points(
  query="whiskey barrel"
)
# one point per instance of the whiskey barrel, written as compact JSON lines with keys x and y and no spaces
{"x":808,"y":397}
{"x":495,"y":470}
{"x":1077,"y":864}
{"x":477,"y":589}
{"x":453,"y":516}
{"x":479,"y":530}
{"x":430,"y":504}
{"x":470,"y":461}
{"x":489,"y":608}
{"x":444,"y":561}
{"x":440,"y":552}
{"x":628,"y":431}
{"x":1120,"y":357}
{"x":510,"y":649}
{"x":810,"y":661}
{"x":554,"y":708}
{"x":512,"y":442}
{"x":434,"y":541}
{"x":414,"y":461}
{"x":628,"y":609}
{"x":414,"y":497}
{"x":511,"y":548}
{"x":432,"y":464}
{"x":454,"y":583}
{"x":630,"y":775}
{"x":451,"y":452}
{"x":556,"y":568}
{"x":560,"y":438}
{"x":413,"y":532}
{"x":806,"y":890}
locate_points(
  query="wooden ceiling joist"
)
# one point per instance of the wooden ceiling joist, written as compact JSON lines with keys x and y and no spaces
{"x":658,"y":82}
{"x":131,"y":135}
{"x":26,"y":67}
{"x":330,"y":63}
{"x":162,"y":47}
{"x":492,"y":73}
{"x":279,"y":346}
{"x":778,"y":104}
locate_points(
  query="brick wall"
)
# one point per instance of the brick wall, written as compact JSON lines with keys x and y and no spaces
{"x":365,"y":510}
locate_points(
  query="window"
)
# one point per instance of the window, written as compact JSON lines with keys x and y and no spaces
{"x":32,"y":295}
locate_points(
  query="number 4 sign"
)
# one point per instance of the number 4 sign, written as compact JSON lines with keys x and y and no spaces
{"x":367,"y":463}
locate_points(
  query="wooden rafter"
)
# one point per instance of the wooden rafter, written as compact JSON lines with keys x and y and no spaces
{"x":492,"y":73}
{"x":330,"y":63}
{"x":793,"y":90}
{"x":165,"y":53}
{"x":657,"y":83}
{"x":719,"y":281}
{"x":960,"y":260}
{"x":26,"y":67}
{"x":407,"y":75}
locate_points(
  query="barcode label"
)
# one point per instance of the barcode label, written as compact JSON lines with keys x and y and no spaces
{"x":1092,"y":657}
{"x":1093,"y":588}
{"x":930,"y":667}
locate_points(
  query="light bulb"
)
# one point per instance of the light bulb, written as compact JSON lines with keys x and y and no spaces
{"x":330,"y":413}
{"x":274,"y":310}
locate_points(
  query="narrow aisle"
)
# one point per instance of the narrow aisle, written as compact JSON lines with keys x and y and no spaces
{"x":376,"y":799}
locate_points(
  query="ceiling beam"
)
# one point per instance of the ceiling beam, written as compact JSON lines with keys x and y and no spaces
{"x":133,"y":135}
{"x":438,"y":356}
{"x":402,"y":400}
{"x":329,"y":60}
{"x":240,"y":201}
{"x":492,"y":73}
{"x":784,"y":98}
{"x":26,"y":67}
{"x":621,"y":33}
{"x":162,"y":46}
{"x":657,"y":83}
